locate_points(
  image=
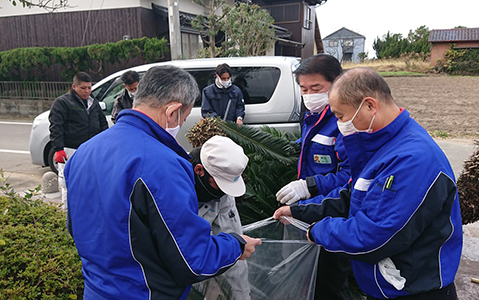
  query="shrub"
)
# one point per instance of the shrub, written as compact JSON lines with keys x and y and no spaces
{"x":20,"y":64}
{"x":468,"y":189}
{"x":38,"y":259}
{"x":459,"y":62}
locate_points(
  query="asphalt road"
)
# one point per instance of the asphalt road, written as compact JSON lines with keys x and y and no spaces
{"x":15,"y":158}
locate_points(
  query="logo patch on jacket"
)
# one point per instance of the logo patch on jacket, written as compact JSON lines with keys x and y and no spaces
{"x":322,"y":159}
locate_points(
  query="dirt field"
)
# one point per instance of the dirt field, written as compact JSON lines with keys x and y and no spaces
{"x":440,"y":103}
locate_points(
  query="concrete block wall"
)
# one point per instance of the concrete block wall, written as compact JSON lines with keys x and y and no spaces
{"x":24,"y":109}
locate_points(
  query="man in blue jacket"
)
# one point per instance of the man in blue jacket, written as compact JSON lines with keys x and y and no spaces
{"x":132,"y":205}
{"x":222,"y":98}
{"x":404,"y":230}
{"x":322,"y":164}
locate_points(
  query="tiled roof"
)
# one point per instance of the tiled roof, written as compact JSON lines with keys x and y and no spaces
{"x":454,"y":35}
{"x":344,"y":33}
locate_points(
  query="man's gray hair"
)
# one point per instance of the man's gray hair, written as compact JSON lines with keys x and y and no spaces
{"x":164,"y":84}
{"x":352,"y":86}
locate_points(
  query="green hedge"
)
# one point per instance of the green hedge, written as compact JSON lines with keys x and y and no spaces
{"x":38,"y":258}
{"x":21,"y":64}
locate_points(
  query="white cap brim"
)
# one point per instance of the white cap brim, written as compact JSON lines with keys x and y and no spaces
{"x":235,"y":189}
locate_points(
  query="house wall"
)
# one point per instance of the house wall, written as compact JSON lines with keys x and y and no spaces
{"x":8,"y":10}
{"x":67,"y":29}
{"x":299,"y":34}
{"x":101,"y":21}
{"x":439,"y":48}
{"x":437,"y":51}
{"x":106,"y":21}
{"x":338,"y":52}
{"x":358,"y":48}
{"x":474,"y":44}
{"x":307,"y":35}
{"x":334,"y":51}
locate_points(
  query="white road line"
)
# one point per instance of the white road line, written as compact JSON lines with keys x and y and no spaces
{"x":15,"y":123}
{"x":14,"y":151}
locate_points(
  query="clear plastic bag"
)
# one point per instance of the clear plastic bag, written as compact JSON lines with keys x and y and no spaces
{"x":283,"y":267}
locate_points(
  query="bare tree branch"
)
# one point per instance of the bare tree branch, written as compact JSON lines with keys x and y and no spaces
{"x":49,"y":5}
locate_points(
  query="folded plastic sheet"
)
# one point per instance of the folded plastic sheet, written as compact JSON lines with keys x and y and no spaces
{"x":283,"y":267}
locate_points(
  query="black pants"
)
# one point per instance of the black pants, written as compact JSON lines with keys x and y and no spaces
{"x":446,"y":293}
{"x":332,"y":277}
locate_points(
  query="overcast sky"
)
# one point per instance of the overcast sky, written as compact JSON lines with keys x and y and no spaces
{"x":373,"y":18}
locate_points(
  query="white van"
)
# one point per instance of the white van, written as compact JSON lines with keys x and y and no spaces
{"x":274,"y":96}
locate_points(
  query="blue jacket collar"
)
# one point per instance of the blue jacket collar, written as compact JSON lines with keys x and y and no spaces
{"x":361,"y":146}
{"x":145,"y":123}
{"x":311,"y":119}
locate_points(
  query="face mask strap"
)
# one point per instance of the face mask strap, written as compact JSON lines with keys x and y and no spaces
{"x":166,"y":112}
{"x":357,"y":111}
{"x":371,"y":124}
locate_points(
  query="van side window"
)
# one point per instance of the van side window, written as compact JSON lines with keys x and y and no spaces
{"x":258,"y":82}
{"x":204,"y":77}
{"x":108,"y":91}
{"x":114,"y":89}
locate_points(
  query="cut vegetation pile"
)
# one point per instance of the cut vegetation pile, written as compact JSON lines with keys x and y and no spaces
{"x":468,"y":189}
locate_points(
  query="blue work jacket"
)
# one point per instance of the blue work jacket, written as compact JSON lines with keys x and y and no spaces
{"x":133,"y":214}
{"x":403,"y":212}
{"x":322,"y":153}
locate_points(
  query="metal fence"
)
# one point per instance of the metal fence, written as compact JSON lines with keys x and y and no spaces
{"x":32,"y":90}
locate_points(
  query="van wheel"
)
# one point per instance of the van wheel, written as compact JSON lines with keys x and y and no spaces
{"x":51,"y":161}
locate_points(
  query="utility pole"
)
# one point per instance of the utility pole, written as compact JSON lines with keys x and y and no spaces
{"x":175,"y":32}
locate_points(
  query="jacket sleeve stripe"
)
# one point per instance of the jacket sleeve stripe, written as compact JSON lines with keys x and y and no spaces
{"x":164,"y":223}
{"x":155,"y":247}
{"x":424,"y":214}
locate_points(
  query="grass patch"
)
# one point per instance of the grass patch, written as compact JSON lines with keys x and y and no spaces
{"x":439,"y":134}
{"x":401,"y":74}
{"x":404,"y":66}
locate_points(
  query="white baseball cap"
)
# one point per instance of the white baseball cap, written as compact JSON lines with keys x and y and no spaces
{"x":225,"y":161}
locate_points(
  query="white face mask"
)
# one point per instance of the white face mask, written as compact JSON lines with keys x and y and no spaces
{"x":220,"y":83}
{"x":131,"y":94}
{"x":348,"y":128}
{"x":173,"y":131}
{"x":226,"y":84}
{"x":316,"y":102}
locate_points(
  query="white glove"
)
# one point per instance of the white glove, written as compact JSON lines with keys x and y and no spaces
{"x":293,"y":191}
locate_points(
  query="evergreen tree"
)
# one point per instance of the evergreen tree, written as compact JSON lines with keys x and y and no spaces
{"x":210,"y":25}
{"x":248,"y":29}
{"x":394,"y":44}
